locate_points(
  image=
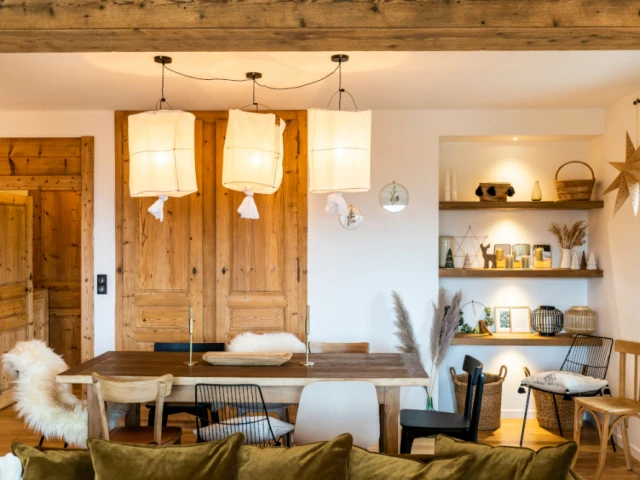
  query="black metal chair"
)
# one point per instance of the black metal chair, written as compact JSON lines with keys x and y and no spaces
{"x":236,"y":408}
{"x":423,"y":423}
{"x":588,"y":355}
{"x":173,"y":408}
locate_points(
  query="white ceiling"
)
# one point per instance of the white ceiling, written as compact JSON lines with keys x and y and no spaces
{"x":377,"y":80}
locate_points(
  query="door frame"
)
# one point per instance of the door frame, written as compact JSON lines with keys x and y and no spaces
{"x":85,"y":185}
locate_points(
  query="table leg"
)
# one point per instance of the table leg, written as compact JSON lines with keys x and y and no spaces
{"x":392,"y":416}
{"x":93,"y":411}
{"x":132,"y":419}
{"x":382,"y":430}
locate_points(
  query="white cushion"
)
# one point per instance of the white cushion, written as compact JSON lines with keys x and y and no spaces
{"x":255,"y":432}
{"x":564,"y":382}
{"x":10,"y":467}
{"x":266,"y":342}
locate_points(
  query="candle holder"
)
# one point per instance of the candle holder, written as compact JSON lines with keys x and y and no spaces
{"x":307,"y":331}
{"x":190,"y":363}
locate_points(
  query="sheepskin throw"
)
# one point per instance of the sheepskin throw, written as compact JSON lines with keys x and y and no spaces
{"x":266,"y":342}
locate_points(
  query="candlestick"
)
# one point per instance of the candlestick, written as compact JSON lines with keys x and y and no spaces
{"x":307,"y":331}
{"x":191,"y":320}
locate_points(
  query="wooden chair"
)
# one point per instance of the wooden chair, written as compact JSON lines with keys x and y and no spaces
{"x":332,"y":347}
{"x":614,"y":410}
{"x":136,"y":391}
{"x":424,"y":423}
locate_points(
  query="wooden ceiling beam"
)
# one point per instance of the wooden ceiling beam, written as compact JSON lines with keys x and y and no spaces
{"x":286,"y":25}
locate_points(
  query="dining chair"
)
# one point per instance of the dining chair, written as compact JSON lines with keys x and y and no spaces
{"x":588,"y":355}
{"x":237,"y":408}
{"x":424,"y":423}
{"x":328,"y":409}
{"x":335,"y":347}
{"x":614,"y":410}
{"x":175,"y":408}
{"x":136,"y":391}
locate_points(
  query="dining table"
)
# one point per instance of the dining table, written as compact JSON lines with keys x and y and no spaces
{"x":388,"y":372}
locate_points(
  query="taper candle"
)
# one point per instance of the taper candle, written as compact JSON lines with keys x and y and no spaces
{"x":190,"y":319}
{"x":307,"y":326}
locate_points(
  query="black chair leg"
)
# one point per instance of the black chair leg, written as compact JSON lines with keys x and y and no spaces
{"x":406,"y":442}
{"x":555,"y":404}
{"x":65,"y":445}
{"x":152,"y":416}
{"x":613,"y":444}
{"x":524,"y":420}
{"x":41,"y":441}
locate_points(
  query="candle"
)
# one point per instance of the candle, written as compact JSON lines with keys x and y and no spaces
{"x":190,"y":319}
{"x":539,"y":254}
{"x":508,"y":261}
{"x":307,"y":327}
{"x":499,"y":254}
{"x":526,"y":261}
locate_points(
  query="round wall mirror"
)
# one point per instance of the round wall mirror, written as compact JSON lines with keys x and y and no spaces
{"x":353,"y":220}
{"x":394,"y":197}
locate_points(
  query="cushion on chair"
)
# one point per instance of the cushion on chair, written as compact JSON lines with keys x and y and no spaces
{"x":364,"y":465}
{"x":53,"y":464}
{"x":441,"y":421}
{"x":564,"y":382}
{"x":256,"y":432}
{"x":204,"y":461}
{"x":316,"y":461}
{"x":510,"y":463}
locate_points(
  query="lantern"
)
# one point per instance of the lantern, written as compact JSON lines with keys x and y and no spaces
{"x":252,"y":161}
{"x":161,"y":156}
{"x":339,"y":155}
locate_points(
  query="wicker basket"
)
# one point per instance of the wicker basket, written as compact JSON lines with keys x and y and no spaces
{"x":546,"y":410}
{"x":575,"y":189}
{"x":501,"y":195}
{"x":580,"y":321}
{"x":491,"y":409}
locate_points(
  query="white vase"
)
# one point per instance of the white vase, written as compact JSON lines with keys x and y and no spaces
{"x":536,"y":194}
{"x":446,"y":243}
{"x":565,"y":261}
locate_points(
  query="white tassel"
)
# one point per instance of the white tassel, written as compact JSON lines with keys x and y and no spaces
{"x":336,"y":205}
{"x":157,"y":209}
{"x":248,"y":207}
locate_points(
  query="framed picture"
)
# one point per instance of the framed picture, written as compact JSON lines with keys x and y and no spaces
{"x":502,"y":316}
{"x":520,"y":319}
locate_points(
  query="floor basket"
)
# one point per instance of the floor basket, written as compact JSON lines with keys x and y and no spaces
{"x":575,"y":189}
{"x":491,"y":398}
{"x":546,"y":411}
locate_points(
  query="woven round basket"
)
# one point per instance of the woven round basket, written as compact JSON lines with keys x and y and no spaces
{"x":575,"y":189}
{"x":491,"y":409}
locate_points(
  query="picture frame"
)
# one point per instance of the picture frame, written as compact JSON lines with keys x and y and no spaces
{"x":502,"y":316}
{"x":520,"y":319}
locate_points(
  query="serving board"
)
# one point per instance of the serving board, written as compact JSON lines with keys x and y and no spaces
{"x":247,"y":358}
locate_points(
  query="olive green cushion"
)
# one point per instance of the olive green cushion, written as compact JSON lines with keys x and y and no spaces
{"x":316,"y":461}
{"x":510,"y":463}
{"x":364,"y":465}
{"x":113,"y":460}
{"x":53,"y":464}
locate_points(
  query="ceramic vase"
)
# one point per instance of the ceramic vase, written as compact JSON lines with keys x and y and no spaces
{"x":565,"y":261}
{"x":446,"y":243}
{"x":536,"y":194}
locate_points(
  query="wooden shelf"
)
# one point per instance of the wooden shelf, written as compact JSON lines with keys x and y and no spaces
{"x":513,"y":339}
{"x":570,"y":205}
{"x":518,"y":273}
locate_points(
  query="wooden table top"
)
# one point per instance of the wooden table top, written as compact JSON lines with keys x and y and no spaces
{"x":381,"y":369}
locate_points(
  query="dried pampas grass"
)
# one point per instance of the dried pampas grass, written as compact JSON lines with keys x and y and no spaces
{"x":405,"y":332}
{"x":443,"y":329}
{"x":569,"y":238}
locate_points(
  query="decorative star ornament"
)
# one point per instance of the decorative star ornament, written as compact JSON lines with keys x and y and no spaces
{"x":628,"y":181}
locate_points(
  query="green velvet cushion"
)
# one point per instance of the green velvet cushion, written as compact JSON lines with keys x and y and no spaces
{"x":510,"y":463}
{"x":53,"y":464}
{"x":204,"y":461}
{"x":364,"y":465}
{"x":316,"y":461}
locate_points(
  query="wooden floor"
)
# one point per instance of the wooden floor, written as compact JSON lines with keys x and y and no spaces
{"x":13,"y":430}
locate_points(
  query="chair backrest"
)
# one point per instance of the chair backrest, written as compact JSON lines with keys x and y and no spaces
{"x":475,"y":388}
{"x":589,"y":355}
{"x":132,"y":391}
{"x":234,"y":408}
{"x":329,"y":409}
{"x":335,"y":347}
{"x":184,"y":347}
{"x":624,"y":347}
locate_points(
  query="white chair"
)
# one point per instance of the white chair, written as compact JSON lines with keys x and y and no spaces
{"x":329,"y":409}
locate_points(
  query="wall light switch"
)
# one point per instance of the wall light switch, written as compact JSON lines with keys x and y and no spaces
{"x":102,"y":284}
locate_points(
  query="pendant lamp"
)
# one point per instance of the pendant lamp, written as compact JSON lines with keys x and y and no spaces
{"x":162,"y":154}
{"x":252,"y":159}
{"x":339,"y":151}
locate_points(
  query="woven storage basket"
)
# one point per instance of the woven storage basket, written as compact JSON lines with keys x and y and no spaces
{"x":580,"y":321}
{"x":546,"y":411}
{"x":491,"y":409}
{"x":575,"y":189}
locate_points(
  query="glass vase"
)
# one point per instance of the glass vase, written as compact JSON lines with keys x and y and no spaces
{"x":430,"y":404}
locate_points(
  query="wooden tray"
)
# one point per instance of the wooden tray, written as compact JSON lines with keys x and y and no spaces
{"x":247,"y":358}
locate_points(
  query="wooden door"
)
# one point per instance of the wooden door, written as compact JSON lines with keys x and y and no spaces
{"x":16,"y":286}
{"x":261,"y":264}
{"x":161,"y":266}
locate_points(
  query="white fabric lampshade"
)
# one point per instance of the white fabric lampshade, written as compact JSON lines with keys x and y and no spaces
{"x":162,"y":154}
{"x":253,"y":152}
{"x":339,"y":151}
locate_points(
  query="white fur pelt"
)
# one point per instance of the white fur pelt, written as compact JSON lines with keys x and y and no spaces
{"x":266,"y":342}
{"x":10,"y":467}
{"x":48,"y":407}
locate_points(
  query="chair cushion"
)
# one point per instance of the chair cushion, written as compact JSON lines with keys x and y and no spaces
{"x":564,"y":382}
{"x":204,"y":461}
{"x":53,"y":464}
{"x":433,"y":420}
{"x":364,"y":465}
{"x":255,"y":429}
{"x":144,"y":435}
{"x":316,"y":461}
{"x":510,"y":463}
